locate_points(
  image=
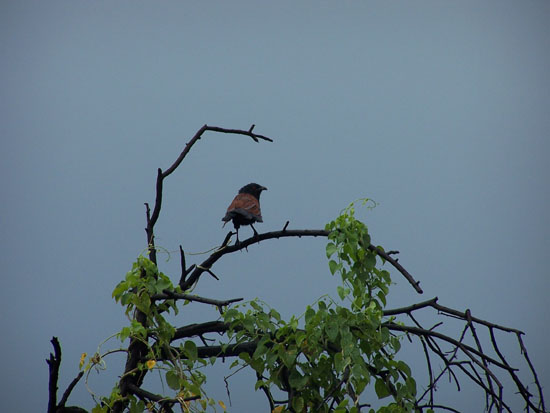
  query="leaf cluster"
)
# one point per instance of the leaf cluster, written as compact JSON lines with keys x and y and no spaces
{"x":325,"y":359}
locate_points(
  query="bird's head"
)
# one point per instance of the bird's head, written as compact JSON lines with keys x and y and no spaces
{"x":253,"y":189}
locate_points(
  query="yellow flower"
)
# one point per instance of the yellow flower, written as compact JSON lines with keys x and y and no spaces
{"x":150,"y":364}
{"x":82,"y":359}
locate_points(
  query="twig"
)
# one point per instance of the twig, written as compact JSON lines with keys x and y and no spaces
{"x":415,"y":284}
{"x":182,"y":264}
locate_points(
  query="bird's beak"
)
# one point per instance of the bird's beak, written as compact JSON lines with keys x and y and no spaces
{"x":264,"y":188}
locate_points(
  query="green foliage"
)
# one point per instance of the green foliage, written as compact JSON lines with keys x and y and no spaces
{"x":340,"y":350}
{"x":324,"y":359}
{"x":181,"y":367}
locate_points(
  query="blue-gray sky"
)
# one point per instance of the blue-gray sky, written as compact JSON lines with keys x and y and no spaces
{"x":437,"y":110}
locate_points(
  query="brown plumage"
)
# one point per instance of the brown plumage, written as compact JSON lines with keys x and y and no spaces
{"x":245,"y":208}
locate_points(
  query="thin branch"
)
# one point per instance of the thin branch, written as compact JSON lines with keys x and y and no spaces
{"x":411,"y":308}
{"x":169,"y":295}
{"x":462,"y":315}
{"x":537,"y":382}
{"x":471,"y":326}
{"x":437,"y":406}
{"x":267,"y":393}
{"x":70,"y":388}
{"x":156,"y":209}
{"x":398,"y":267}
{"x":198,"y":135}
{"x":464,"y":347}
{"x":182,"y":264}
{"x":429,"y":365}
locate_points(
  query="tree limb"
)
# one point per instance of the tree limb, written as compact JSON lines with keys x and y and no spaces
{"x":170,"y":295}
{"x":186,"y":283}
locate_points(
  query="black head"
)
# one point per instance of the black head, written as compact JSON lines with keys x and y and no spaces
{"x":253,"y":189}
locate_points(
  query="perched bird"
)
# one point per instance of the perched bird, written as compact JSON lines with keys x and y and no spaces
{"x":245,"y":208}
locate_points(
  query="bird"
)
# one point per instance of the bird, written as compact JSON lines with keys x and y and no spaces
{"x":245,"y":207}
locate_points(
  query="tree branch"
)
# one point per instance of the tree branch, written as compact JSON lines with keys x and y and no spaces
{"x":54,"y":361}
{"x":169,"y":295}
{"x":70,"y":388}
{"x":227,"y":249}
{"x":199,"y":329}
{"x":144,"y":394}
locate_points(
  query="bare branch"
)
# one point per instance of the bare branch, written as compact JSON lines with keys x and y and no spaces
{"x":169,"y":295}
{"x":411,"y":308}
{"x":398,"y":267}
{"x":70,"y":388}
{"x":54,"y":361}
{"x":198,"y":135}
{"x":227,"y":249}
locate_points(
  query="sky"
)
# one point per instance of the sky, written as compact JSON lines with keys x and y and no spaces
{"x":436,"y":110}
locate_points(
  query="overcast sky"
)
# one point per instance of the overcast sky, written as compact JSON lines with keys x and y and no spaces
{"x":438,"y":110}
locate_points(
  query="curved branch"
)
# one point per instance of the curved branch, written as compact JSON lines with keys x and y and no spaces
{"x":162,"y":175}
{"x":255,"y":239}
{"x":165,"y":401}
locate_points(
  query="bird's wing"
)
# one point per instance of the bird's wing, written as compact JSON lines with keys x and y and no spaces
{"x":245,"y":204}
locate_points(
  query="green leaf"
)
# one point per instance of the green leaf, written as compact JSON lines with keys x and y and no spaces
{"x":138,"y":407}
{"x":230,"y":315}
{"x":342,"y":292}
{"x":332,"y":330}
{"x":401,"y":365}
{"x":411,"y":385}
{"x":310,"y":313}
{"x":381,"y":389}
{"x":190,"y":349}
{"x":162,"y":284}
{"x":275,"y":314}
{"x":298,"y":404}
{"x":331,"y":249}
{"x":255,"y":306}
{"x":119,"y":289}
{"x":297,"y":381}
{"x":172,"y":380}
{"x":370,"y":260}
{"x":259,"y":383}
{"x":333,"y":266}
{"x":382,"y":297}
{"x":124,"y":333}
